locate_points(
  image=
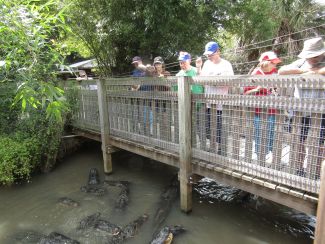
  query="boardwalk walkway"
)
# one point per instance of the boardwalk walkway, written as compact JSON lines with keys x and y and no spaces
{"x":223,"y":134}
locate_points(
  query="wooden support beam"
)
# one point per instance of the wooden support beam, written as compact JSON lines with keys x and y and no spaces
{"x":185,"y":142}
{"x":104,"y":125}
{"x":320,"y":217}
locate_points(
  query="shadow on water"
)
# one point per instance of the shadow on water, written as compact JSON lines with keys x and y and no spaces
{"x":281,"y":218}
{"x":221,"y":214}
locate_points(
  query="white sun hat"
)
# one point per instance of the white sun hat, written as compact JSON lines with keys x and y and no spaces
{"x":312,"y":48}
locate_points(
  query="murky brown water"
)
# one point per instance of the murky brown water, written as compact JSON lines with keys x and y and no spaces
{"x":33,"y":207}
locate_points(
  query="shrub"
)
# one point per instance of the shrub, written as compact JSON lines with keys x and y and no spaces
{"x":17,"y":159}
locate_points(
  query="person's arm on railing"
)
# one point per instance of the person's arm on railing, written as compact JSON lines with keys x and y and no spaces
{"x":253,"y":91}
{"x":293,"y":69}
{"x":286,"y":70}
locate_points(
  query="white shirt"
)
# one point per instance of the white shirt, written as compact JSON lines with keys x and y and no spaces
{"x":209,"y":68}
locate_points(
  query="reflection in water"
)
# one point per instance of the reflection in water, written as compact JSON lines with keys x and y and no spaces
{"x":220,"y":214}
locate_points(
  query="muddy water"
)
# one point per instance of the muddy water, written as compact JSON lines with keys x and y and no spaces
{"x":31,"y":210}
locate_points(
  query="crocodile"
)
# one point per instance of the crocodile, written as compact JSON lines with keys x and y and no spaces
{"x":68,"y":202}
{"x":166,"y":234}
{"x":93,"y":185}
{"x":123,"y":198}
{"x":57,"y":238}
{"x":130,"y":230}
{"x":89,"y":221}
{"x":167,"y":198}
{"x":106,"y":226}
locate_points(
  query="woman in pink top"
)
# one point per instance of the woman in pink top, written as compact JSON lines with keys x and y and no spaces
{"x":266,"y":66}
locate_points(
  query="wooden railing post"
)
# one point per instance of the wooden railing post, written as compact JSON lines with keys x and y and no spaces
{"x":104,"y":125}
{"x":320,"y":216}
{"x":185,"y":142}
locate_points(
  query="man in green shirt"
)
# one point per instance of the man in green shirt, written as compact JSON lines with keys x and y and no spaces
{"x":188,"y":70}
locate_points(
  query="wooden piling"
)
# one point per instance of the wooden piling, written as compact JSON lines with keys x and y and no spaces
{"x":185,"y":144}
{"x":320,"y":216}
{"x":104,"y":126}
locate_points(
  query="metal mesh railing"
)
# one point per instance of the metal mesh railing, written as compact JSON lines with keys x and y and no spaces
{"x":275,"y":133}
{"x":144,"y":110}
{"x":86,"y":115}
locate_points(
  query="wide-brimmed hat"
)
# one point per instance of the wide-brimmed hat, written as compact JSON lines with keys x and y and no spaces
{"x":269,"y":56}
{"x":312,"y":48}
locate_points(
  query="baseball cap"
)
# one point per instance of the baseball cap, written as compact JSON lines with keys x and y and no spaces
{"x":158,"y":60}
{"x":269,"y":56}
{"x":210,"y":48}
{"x":136,"y":59}
{"x":184,"y":56}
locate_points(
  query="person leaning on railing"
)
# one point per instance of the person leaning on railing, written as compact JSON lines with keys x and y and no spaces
{"x":312,"y":61}
{"x":267,"y":66}
{"x":187,"y":69}
{"x":214,"y":66}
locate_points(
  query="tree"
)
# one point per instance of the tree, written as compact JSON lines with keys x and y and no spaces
{"x":115,"y":31}
{"x":29,"y":54}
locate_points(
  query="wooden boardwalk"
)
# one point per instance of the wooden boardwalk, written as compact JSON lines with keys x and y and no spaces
{"x":163,"y":121}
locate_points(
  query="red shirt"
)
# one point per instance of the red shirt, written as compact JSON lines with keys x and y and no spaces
{"x":263,"y":91}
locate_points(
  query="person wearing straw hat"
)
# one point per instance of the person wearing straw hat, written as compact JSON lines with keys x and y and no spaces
{"x":312,"y":61}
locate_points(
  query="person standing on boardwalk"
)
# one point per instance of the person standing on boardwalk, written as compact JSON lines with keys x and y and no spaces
{"x":267,"y":66}
{"x":312,"y":61}
{"x":187,"y":69}
{"x":159,"y":65}
{"x":214,"y":66}
{"x":139,"y":68}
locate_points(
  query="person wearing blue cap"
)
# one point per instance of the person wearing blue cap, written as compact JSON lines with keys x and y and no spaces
{"x":214,"y":66}
{"x":187,"y":69}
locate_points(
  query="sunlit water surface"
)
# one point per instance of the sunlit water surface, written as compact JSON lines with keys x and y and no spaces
{"x":219,"y":214}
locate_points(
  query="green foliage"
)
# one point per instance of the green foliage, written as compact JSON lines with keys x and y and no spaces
{"x":32,"y":144}
{"x":8,"y":113}
{"x":31,"y":105}
{"x":115,"y":31}
{"x":17,"y":158}
{"x":29,"y":54}
{"x":273,"y":25}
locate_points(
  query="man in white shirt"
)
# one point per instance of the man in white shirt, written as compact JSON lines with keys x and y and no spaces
{"x":312,"y":61}
{"x":214,"y":66}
